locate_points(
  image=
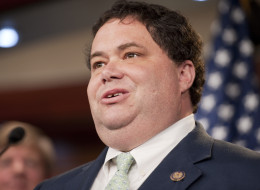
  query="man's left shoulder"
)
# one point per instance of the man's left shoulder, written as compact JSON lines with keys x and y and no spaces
{"x":229,"y":151}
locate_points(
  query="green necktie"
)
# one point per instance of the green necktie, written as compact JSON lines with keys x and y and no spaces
{"x":120,"y":180}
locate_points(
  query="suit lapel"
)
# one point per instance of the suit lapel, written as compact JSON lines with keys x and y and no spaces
{"x":90,"y":172}
{"x":195,"y":147}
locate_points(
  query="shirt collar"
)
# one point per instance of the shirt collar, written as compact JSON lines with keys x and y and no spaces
{"x":155,"y":149}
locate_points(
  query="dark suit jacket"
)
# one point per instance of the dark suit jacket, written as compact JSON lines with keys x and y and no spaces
{"x":208,"y":164}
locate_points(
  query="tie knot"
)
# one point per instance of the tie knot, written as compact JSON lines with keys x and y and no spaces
{"x":124,"y":162}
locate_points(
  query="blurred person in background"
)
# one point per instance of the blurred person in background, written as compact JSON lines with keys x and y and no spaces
{"x":28,"y":162}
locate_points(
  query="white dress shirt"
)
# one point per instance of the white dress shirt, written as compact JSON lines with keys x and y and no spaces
{"x":147,"y":156}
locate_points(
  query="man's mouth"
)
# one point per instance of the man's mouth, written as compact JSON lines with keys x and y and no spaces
{"x":114,"y":95}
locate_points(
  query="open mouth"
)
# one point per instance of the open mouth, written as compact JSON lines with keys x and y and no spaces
{"x":114,"y":95}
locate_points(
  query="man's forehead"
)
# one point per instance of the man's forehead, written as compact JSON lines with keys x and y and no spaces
{"x":116,"y":22}
{"x":130,"y":29}
{"x":126,"y":20}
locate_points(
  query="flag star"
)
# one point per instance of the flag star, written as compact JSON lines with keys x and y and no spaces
{"x":215,"y":28}
{"x":251,"y":101}
{"x":240,"y":70}
{"x":246,"y":47}
{"x":232,"y":90}
{"x":225,"y":111}
{"x":208,"y":102}
{"x":215,"y":80}
{"x":257,"y":134}
{"x":237,"y":15}
{"x":223,"y":7}
{"x":229,"y":36}
{"x":219,"y":132}
{"x":222,"y":57}
{"x":241,"y":143}
{"x":205,"y":123}
{"x":244,"y":124}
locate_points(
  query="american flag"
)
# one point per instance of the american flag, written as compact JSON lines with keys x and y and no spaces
{"x":229,"y":108}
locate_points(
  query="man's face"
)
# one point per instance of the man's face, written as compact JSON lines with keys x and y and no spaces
{"x":21,"y":168}
{"x":134,"y":88}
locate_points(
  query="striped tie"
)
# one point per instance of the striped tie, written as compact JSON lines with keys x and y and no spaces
{"x":120,"y":180}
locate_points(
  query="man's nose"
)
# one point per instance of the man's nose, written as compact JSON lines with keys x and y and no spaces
{"x":18,"y":167}
{"x":112,"y":71}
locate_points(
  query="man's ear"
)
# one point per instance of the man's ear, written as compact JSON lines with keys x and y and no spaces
{"x":186,"y":75}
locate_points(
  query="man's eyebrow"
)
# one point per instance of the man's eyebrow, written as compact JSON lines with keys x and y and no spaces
{"x":97,"y":54}
{"x":130,"y":44}
{"x":120,"y":47}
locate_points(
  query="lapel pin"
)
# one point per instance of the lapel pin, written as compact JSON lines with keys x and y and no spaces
{"x":177,"y":176}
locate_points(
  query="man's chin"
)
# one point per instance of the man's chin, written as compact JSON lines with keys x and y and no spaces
{"x":113,"y":122}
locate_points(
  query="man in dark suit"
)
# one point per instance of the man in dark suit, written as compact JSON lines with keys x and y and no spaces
{"x":146,"y":81}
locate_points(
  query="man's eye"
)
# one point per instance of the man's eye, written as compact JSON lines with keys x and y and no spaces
{"x":131,"y":55}
{"x":30,"y":163}
{"x":5,"y":163}
{"x":98,"y":65}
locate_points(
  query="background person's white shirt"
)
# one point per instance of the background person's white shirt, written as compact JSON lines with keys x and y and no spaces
{"x":147,"y":156}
